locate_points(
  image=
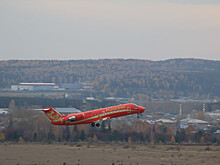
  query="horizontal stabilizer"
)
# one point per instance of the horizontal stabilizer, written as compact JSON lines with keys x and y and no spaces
{"x":45,"y":109}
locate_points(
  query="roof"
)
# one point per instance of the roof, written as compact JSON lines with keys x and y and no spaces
{"x":165,"y":121}
{"x":213,"y":114}
{"x":3,"y":111}
{"x":150,"y":121}
{"x":194,"y":121}
{"x":183,"y":123}
{"x":37,"y":84}
{"x":68,"y":110}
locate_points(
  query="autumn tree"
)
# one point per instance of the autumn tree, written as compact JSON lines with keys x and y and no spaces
{"x":2,"y":137}
{"x":172,"y":139}
{"x":12,"y":105}
{"x":202,"y":139}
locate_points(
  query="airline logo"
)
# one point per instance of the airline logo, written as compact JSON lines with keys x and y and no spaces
{"x":52,"y":115}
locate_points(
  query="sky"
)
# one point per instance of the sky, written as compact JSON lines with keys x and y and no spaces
{"x":100,"y":29}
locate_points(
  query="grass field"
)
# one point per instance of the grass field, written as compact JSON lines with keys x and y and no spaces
{"x":108,"y":154}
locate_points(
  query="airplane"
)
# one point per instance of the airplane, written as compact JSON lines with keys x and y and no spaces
{"x":93,"y":117}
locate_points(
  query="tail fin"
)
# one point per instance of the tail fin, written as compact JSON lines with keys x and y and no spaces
{"x":51,"y":113}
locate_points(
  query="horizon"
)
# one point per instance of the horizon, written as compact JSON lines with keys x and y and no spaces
{"x":108,"y":59}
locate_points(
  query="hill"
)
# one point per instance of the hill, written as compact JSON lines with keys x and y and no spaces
{"x":142,"y":79}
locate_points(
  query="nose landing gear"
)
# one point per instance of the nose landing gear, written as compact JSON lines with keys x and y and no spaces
{"x":95,"y":124}
{"x":139,"y":115}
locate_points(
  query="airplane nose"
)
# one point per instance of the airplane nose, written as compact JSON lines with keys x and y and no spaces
{"x":142,"y":109}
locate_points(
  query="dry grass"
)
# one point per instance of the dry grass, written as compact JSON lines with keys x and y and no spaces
{"x":123,"y":154}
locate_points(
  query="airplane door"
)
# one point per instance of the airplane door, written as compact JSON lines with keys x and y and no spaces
{"x":80,"y":117}
{"x":129,"y":109}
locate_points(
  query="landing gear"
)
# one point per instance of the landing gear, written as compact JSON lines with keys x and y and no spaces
{"x":97,"y":124}
{"x":139,"y":115}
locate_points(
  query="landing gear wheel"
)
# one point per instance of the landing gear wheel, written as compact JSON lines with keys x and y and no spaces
{"x":93,"y":124}
{"x":138,"y":115}
{"x":97,"y":124}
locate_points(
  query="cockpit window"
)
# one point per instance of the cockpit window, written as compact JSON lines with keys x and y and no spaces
{"x":136,"y":105}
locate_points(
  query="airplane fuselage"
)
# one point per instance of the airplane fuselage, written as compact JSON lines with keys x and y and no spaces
{"x":95,"y":116}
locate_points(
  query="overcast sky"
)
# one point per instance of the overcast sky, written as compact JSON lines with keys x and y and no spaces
{"x":94,"y":29}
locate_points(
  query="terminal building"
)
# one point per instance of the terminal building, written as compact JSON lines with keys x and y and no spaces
{"x":34,"y":86}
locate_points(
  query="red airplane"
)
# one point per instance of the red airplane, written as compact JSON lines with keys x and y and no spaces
{"x":95,"y":117}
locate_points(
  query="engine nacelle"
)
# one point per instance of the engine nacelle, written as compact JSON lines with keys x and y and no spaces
{"x":72,"y":119}
{"x":75,"y":117}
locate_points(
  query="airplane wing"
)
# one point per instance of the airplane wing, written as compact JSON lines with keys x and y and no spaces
{"x":102,"y":119}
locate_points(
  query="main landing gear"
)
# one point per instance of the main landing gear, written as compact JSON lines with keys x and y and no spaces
{"x":95,"y":124}
{"x":98,"y":124}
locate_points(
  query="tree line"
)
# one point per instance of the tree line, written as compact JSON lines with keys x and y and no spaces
{"x":31,"y":126}
{"x":122,"y":78}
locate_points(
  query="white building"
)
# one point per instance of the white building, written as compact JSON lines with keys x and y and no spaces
{"x":166,"y":121}
{"x":34,"y":86}
{"x":194,"y":121}
{"x":3,"y":111}
{"x":215,"y":114}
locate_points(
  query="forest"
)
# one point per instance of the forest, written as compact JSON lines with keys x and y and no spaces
{"x":141,"y":79}
{"x":32,"y":126}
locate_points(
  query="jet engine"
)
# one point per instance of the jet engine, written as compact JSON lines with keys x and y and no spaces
{"x":72,"y":119}
{"x":76,"y":117}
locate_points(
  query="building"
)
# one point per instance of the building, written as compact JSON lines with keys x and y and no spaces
{"x":67,"y":110}
{"x":201,"y":124}
{"x":71,"y":86}
{"x":183,"y":125}
{"x":3,"y":111}
{"x":149,"y":121}
{"x":215,"y":114}
{"x":194,"y":121}
{"x":87,"y":85}
{"x":34,"y":86}
{"x":165,"y":121}
{"x":217,"y":131}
